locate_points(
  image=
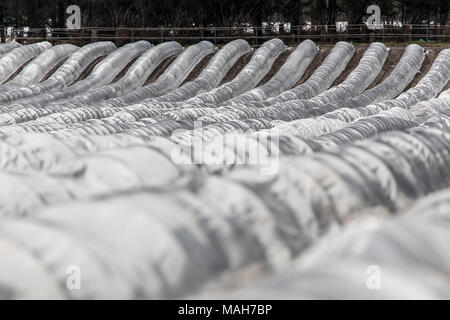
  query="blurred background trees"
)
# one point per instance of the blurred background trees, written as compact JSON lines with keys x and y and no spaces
{"x":156,"y":13}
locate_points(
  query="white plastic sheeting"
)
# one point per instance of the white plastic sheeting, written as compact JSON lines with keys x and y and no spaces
{"x":165,"y":82}
{"x":368,"y":68}
{"x":313,"y":135}
{"x":40,"y":66}
{"x":38,"y":151}
{"x":313,"y":127}
{"x":26,"y":152}
{"x":323,"y":77}
{"x":174,"y":75}
{"x":102,"y":74}
{"x":336,"y":120}
{"x":405,"y":70}
{"x":418,"y":99}
{"x":192,"y":251}
{"x":359,"y":79}
{"x":66,"y":113}
{"x":73,"y":194}
{"x":360,"y":129}
{"x":401,"y":76}
{"x":260,"y":63}
{"x":388,"y":171}
{"x":208,"y":79}
{"x":134,"y":78}
{"x":16,"y":58}
{"x":82,"y":178}
{"x":212,"y":74}
{"x":356,"y":81}
{"x":223,"y":224}
{"x":433,"y":82}
{"x":247,"y":78}
{"x":430,"y":107}
{"x":8,"y":47}
{"x":65,"y":75}
{"x":428,"y":87}
{"x":420,"y":273}
{"x":289,"y":73}
{"x":136,"y":75}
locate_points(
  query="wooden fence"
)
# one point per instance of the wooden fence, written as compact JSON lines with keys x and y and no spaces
{"x":219,"y":35}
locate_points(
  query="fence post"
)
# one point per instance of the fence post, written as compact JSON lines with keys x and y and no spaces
{"x":93,"y":35}
{"x":405,"y":32}
{"x":13,"y":34}
{"x":3,"y":34}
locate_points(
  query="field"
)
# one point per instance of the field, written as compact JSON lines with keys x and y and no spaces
{"x":157,"y":171}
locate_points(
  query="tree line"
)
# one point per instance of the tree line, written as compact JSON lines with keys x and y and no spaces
{"x":182,"y":13}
